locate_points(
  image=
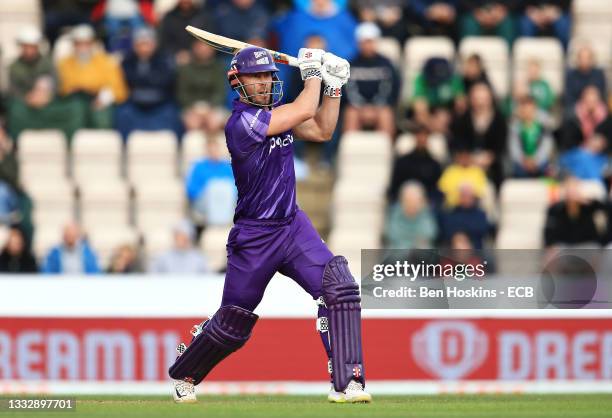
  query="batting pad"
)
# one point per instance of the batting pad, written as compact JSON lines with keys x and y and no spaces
{"x":225,"y":333}
{"x":341,"y":294}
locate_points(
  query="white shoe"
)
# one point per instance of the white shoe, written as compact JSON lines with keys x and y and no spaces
{"x":353,"y":393}
{"x":184,"y":392}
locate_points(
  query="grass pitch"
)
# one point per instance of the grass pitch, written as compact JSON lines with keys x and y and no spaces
{"x":455,"y":406}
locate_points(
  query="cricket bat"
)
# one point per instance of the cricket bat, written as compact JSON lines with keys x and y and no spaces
{"x":232,"y":46}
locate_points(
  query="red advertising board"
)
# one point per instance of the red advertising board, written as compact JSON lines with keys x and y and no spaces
{"x":111,"y":349}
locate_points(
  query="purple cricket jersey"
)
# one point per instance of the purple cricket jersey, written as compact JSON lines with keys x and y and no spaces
{"x":262,"y":165}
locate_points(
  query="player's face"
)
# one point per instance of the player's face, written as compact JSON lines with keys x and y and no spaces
{"x":258,"y":86}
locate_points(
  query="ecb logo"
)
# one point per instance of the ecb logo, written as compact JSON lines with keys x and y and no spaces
{"x":449,"y":350}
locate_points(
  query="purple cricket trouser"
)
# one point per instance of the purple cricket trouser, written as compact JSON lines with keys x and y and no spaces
{"x":257,"y":249}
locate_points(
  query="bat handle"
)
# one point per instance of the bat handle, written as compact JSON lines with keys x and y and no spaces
{"x":292,"y":61}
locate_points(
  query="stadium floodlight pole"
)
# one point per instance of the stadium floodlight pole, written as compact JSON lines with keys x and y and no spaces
{"x":232,"y":46}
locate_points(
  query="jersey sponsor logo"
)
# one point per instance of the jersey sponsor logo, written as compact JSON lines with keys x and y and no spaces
{"x":263,"y":60}
{"x":277,"y":141}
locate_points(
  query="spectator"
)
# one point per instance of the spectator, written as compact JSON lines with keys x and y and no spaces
{"x":201,"y":90}
{"x":10,"y":189}
{"x":93,"y":81}
{"x":125,"y":260}
{"x":435,"y":17}
{"x":474,"y":72}
{"x":120,"y":19}
{"x":575,"y":220}
{"x":589,"y":112}
{"x":372,"y":91}
{"x":487,"y":18}
{"x":417,"y":165}
{"x":242,"y":19}
{"x":336,"y":25}
{"x":173,"y":37}
{"x":210,"y":188}
{"x":183,"y":258}
{"x":461,"y":172}
{"x":387,"y":14}
{"x":32,"y":103}
{"x":72,"y":256}
{"x":15,"y":256}
{"x":531,"y":144}
{"x":483,"y":130}
{"x":59,"y":14}
{"x":150,"y":75}
{"x":437,"y":92}
{"x":466,"y":217}
{"x":410,"y":223}
{"x":587,"y":161}
{"x":586,"y":73}
{"x":538,"y":87}
{"x":542,"y":17}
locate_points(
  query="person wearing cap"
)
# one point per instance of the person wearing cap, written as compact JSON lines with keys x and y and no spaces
{"x":437,"y":94}
{"x":182,"y":258}
{"x":32,"y":101}
{"x":93,"y":79}
{"x":372,"y":91}
{"x":151,"y":75}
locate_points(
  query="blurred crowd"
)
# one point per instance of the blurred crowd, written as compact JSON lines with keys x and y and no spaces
{"x":115,"y":64}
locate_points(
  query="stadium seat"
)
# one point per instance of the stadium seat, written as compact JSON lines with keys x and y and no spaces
{"x":390,"y":48}
{"x":192,"y":148}
{"x":365,"y":156}
{"x":550,"y":54}
{"x":157,"y":240}
{"x":45,"y":237}
{"x":54,"y":202}
{"x":159,"y":204}
{"x":495,"y":57}
{"x":97,"y":156}
{"x":105,"y":239}
{"x":151,"y":156}
{"x":161,"y":7}
{"x":42,"y":156}
{"x":105,"y":204}
{"x":419,"y":49}
{"x":213,"y":243}
{"x":436,"y":144}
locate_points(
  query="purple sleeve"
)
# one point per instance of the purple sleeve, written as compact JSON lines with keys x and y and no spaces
{"x":252,"y":124}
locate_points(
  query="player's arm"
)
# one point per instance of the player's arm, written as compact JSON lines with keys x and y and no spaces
{"x":304,"y":107}
{"x":335,"y":72}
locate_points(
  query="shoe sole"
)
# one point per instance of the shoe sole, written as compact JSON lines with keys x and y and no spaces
{"x":185,"y":401}
{"x":356,"y":399}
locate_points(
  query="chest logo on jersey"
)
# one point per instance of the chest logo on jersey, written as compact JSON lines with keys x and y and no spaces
{"x":278,"y":142}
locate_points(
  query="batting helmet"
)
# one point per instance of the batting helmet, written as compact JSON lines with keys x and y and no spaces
{"x":252,"y":60}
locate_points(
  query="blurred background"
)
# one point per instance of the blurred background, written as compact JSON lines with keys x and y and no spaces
{"x":466,"y":124}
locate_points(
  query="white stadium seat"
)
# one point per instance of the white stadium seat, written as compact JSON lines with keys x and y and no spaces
{"x":391,"y":49}
{"x":106,"y":239}
{"x":213,"y":243}
{"x":436,"y":144}
{"x":548,"y":51}
{"x":54,"y":202}
{"x":192,"y":148}
{"x":417,"y":51}
{"x":151,"y":156}
{"x":42,"y":156}
{"x":495,"y":58}
{"x":97,"y":156}
{"x":159,"y":204}
{"x":105,"y":204}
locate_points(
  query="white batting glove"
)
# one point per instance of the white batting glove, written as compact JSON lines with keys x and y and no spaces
{"x":310,"y":61}
{"x":335,"y":72}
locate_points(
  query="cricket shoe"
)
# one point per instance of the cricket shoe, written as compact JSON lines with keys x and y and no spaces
{"x":184,"y":392}
{"x":353,"y":393}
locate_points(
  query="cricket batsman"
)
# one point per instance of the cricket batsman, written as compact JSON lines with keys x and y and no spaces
{"x":271,"y":234}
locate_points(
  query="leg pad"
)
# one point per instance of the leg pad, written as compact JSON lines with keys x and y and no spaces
{"x":227,"y":331}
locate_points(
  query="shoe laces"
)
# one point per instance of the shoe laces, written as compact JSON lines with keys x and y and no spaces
{"x":354,"y":386}
{"x":184,"y":387}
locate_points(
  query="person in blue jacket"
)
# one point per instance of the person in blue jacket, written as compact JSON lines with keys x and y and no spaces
{"x":72,"y":256}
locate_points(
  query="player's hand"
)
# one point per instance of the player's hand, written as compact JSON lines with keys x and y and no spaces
{"x":310,"y":61}
{"x":335,"y":72}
